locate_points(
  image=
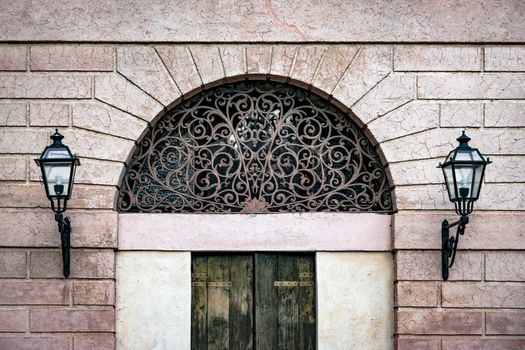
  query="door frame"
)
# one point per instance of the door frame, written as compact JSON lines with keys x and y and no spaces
{"x":155,"y":249}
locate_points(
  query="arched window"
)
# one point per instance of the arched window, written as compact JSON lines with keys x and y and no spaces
{"x":255,"y":146}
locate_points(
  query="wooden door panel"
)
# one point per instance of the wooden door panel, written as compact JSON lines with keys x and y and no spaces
{"x":218,"y":302}
{"x":307,"y":303}
{"x":222,"y":302}
{"x":266,"y":318}
{"x":285,"y":301}
{"x":199,"y":300}
{"x":225,"y":314}
{"x":241,"y":302}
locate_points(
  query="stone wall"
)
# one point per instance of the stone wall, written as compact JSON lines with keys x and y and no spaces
{"x":413,"y":100}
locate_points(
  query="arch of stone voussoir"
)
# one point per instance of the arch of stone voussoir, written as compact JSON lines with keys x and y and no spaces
{"x":358,"y":79}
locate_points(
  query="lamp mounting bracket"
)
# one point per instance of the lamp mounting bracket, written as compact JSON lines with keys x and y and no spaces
{"x":450,"y":243}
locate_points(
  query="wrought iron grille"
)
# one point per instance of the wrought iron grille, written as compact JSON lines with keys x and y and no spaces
{"x":255,"y":146}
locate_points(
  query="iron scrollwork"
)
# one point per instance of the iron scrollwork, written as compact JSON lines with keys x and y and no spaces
{"x":255,"y":146}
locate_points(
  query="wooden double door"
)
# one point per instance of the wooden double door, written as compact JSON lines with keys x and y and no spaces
{"x":253,"y":301}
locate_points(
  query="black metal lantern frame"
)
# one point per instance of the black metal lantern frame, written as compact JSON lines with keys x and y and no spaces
{"x":463,"y":169}
{"x":58,"y":164}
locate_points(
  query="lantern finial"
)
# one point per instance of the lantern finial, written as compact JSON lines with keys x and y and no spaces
{"x":463,"y":140}
{"x":57,"y":137}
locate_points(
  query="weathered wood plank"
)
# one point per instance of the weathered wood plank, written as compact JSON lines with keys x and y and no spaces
{"x":218,"y":303}
{"x":199,"y":296}
{"x":266,"y":320}
{"x":288,"y":307}
{"x":241,"y":302}
{"x":307,"y":313}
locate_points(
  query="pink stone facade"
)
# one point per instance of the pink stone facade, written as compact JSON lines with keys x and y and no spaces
{"x":412,"y":77}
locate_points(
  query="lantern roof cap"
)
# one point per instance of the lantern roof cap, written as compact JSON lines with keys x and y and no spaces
{"x":57,"y":138}
{"x":463,"y":140}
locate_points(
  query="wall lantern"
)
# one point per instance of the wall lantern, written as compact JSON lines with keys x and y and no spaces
{"x":463,"y":170}
{"x":57,"y":164}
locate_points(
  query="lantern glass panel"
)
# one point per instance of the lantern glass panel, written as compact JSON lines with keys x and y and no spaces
{"x":478,"y":174}
{"x":449,"y":181}
{"x":57,"y":153}
{"x":464,"y":179}
{"x":463,"y":155}
{"x":57,"y":173}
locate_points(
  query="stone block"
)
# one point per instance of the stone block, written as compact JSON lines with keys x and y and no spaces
{"x":23,"y":342}
{"x":169,"y":316}
{"x":389,"y":94}
{"x":426,"y":266}
{"x":505,"y":322}
{"x":439,"y":142}
{"x":157,"y":21}
{"x":49,"y":114}
{"x":37,"y":228}
{"x":333,"y":65}
{"x":461,"y":114}
{"x":142,"y":65}
{"x":268,"y":232}
{"x":108,"y":120}
{"x":13,"y":320}
{"x":437,"y":58}
{"x":471,"y":86}
{"x":371,"y":65}
{"x":34,"y":141}
{"x":428,"y":144}
{"x":347,"y":317}
{"x":121,"y":93}
{"x":233,"y":60}
{"x":416,"y":172}
{"x":422,"y":230}
{"x":306,"y":62}
{"x":180,"y":64}
{"x":71,"y":57}
{"x":505,"y":114}
{"x":408,"y":119}
{"x":423,"y":197}
{"x":13,"y":57}
{"x":505,"y":58}
{"x":425,"y":171}
{"x":34,"y":292}
{"x":94,"y":293}
{"x":207,"y":58}
{"x":84,"y":264}
{"x":73,"y":320}
{"x":13,"y":168}
{"x":447,"y":322}
{"x":499,"y":140}
{"x":34,"y":196}
{"x":417,"y":294}
{"x":13,"y":263}
{"x":36,"y":85}
{"x":13,"y":113}
{"x":94,"y":342}
{"x":502,"y":197}
{"x":483,"y":295}
{"x":94,"y":145}
{"x":282,"y":60}
{"x":492,"y":197}
{"x":258,"y":59}
{"x":98,"y":172}
{"x":506,"y":266}
{"x":483,"y":344}
{"x":418,"y":344}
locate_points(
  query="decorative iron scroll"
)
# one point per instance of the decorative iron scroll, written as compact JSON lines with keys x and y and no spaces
{"x":255,"y":146}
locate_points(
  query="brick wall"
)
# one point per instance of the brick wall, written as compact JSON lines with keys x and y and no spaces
{"x":413,"y":100}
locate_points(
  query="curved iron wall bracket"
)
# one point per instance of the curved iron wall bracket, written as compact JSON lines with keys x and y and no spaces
{"x":64,"y":227}
{"x":450,"y":244}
